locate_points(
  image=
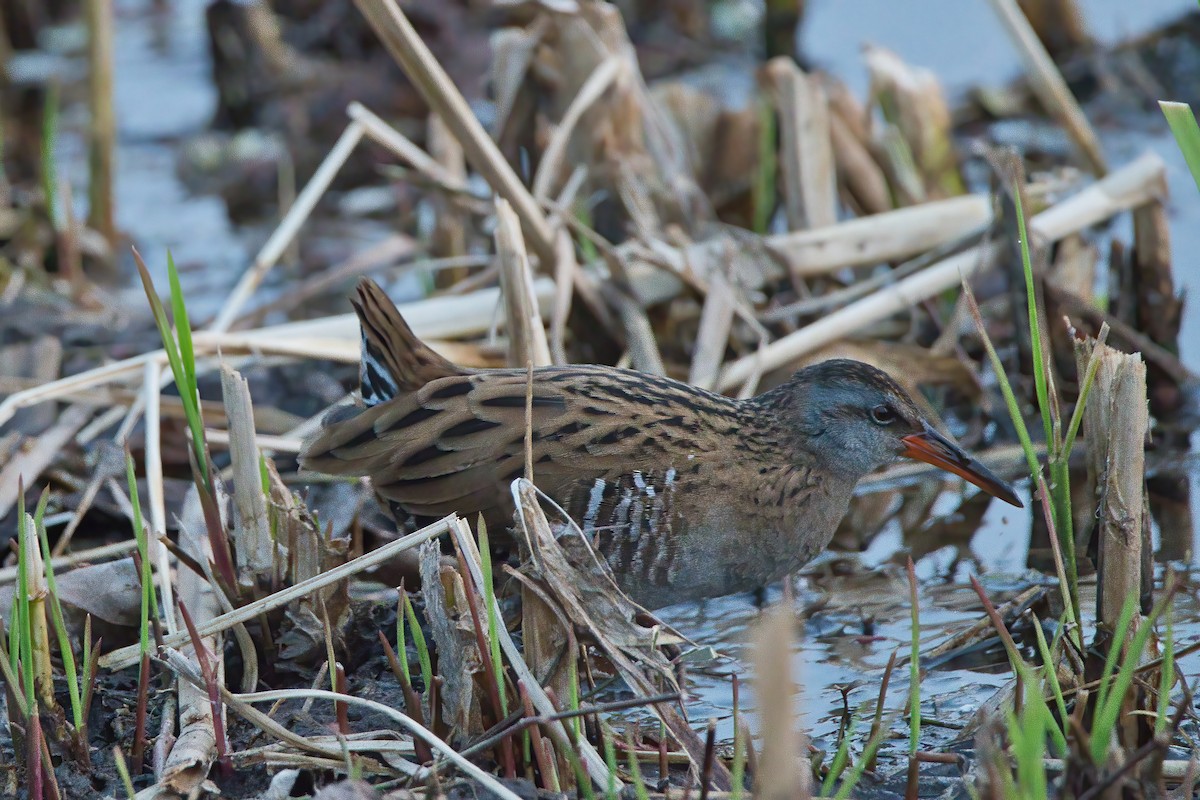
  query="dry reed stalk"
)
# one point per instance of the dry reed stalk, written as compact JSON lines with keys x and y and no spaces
{"x":913,"y":104}
{"x":436,"y":317}
{"x":526,"y":333}
{"x":806,"y":148}
{"x":862,"y":180}
{"x":782,"y":773}
{"x":102,"y":129}
{"x":191,"y":756}
{"x":435,"y":86}
{"x":449,"y":239}
{"x":155,"y":493}
{"x":888,"y":236}
{"x":95,"y":554}
{"x":716,"y":321}
{"x":1048,"y":84}
{"x":1117,"y":425}
{"x":553,"y":156}
{"x":289,"y":226}
{"x":252,"y":533}
{"x":28,"y":463}
{"x":593,"y":762}
{"x":406,"y":150}
{"x":1131,"y":186}
{"x":124,"y":656}
{"x":1159,"y":308}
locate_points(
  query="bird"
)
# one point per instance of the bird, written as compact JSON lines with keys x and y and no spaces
{"x":686,"y":494}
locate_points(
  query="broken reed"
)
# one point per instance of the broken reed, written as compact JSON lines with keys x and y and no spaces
{"x":1037,"y":729}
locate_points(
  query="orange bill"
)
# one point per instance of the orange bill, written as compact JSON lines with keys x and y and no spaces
{"x":934,"y":448}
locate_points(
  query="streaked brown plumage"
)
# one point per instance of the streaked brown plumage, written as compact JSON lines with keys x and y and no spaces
{"x":690,"y":494}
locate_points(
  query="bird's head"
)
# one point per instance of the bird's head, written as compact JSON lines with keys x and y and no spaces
{"x":853,"y":418}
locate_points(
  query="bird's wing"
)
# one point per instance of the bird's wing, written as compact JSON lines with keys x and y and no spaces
{"x":456,"y":444}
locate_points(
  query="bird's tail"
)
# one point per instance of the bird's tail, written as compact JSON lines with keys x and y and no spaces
{"x":394,"y":360}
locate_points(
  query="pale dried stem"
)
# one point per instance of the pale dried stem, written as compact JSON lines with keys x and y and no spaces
{"x":593,"y":762}
{"x":527,"y":335}
{"x":552,"y":157}
{"x":123,"y":657}
{"x":1133,"y":185}
{"x":879,"y":238}
{"x":251,"y":534}
{"x":1048,"y":84}
{"x":806,"y":146}
{"x":431,"y":80}
{"x":156,"y":494}
{"x":288,"y":227}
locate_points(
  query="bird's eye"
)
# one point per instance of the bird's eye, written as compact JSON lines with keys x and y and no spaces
{"x":883,"y":414}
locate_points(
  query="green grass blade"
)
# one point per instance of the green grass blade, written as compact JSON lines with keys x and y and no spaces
{"x":1167,"y":674}
{"x":49,"y":165}
{"x":56,"y":615}
{"x":401,"y":641}
{"x":183,"y":325}
{"x":26,"y":628}
{"x":422,"y":646}
{"x":1187,"y":133}
{"x":1102,"y":722}
{"x":1035,"y":329}
{"x":840,"y":759}
{"x":489,"y":599}
{"x":610,"y":760}
{"x":143,"y":546}
{"x":1010,"y":399}
{"x":1051,"y":679}
{"x":860,"y":766}
{"x":739,"y":764}
{"x":184,"y":375}
{"x":764,"y":189}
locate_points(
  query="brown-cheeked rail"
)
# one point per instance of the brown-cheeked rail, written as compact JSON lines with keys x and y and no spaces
{"x":687,"y":493}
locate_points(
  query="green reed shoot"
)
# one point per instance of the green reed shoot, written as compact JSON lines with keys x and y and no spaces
{"x":1187,"y":134}
{"x":22,"y":615}
{"x":1050,"y":675}
{"x":493,"y":621}
{"x":635,"y":770}
{"x":49,"y":165}
{"x":1058,"y":443}
{"x":1166,"y":675}
{"x":1112,"y":693}
{"x":180,"y":355}
{"x":764,"y":190}
{"x":576,"y":722}
{"x":123,"y":772}
{"x":401,"y":641}
{"x":1027,"y":740}
{"x":143,"y":546}
{"x":60,"y":625}
{"x":840,"y":759}
{"x":860,"y":766}
{"x":610,"y":760}
{"x":738,"y":771}
{"x":422,"y":645}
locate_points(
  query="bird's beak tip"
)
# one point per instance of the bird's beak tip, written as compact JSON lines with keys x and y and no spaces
{"x":933,"y":448}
